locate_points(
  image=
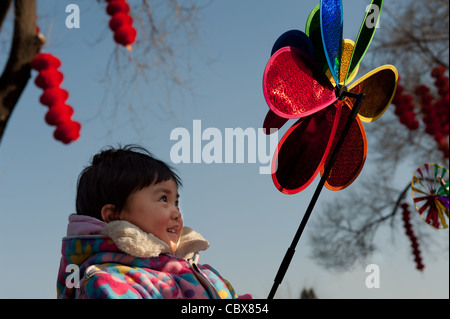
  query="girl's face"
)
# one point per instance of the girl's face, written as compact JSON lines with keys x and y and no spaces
{"x":154,"y":209}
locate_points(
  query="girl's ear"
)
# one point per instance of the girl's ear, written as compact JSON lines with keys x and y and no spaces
{"x":109,"y":213}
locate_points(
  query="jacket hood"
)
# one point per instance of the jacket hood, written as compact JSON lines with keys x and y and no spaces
{"x":128,"y":238}
{"x":137,"y":243}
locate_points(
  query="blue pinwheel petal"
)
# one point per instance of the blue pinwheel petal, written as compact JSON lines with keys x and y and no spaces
{"x":331,"y":25}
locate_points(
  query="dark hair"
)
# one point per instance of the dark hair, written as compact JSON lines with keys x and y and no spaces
{"x":115,"y":174}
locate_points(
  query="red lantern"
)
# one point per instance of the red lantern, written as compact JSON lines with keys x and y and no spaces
{"x":54,"y":95}
{"x":45,"y":61}
{"x":58,"y":113}
{"x":49,"y":78}
{"x":117,"y":6}
{"x":125,"y":35}
{"x":120,"y":19}
{"x":67,"y":131}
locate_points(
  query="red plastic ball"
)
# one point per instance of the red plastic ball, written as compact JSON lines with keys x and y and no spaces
{"x":125,"y":35}
{"x":58,"y":114}
{"x":44,"y":61}
{"x":67,"y":132}
{"x":117,"y":6}
{"x":53,"y":96}
{"x":120,"y":19}
{"x":49,"y":78}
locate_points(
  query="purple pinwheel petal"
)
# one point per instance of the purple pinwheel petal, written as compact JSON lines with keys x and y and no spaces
{"x":443,"y":200}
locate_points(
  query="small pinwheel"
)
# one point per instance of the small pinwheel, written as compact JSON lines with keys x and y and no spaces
{"x":430,"y":191}
{"x":306,"y":78}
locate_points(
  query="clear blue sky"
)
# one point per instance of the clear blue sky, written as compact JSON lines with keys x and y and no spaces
{"x":248,"y":223}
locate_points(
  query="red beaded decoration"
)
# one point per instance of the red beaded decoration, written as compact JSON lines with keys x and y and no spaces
{"x":121,"y":22}
{"x":433,"y":108}
{"x":410,"y":233}
{"x":54,"y":97}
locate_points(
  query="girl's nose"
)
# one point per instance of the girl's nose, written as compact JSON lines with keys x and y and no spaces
{"x":176,"y":214}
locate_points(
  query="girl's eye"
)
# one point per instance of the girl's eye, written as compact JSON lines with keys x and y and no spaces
{"x":163,"y":199}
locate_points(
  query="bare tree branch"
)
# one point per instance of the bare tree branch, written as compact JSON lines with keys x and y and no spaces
{"x":25,"y":45}
{"x":4,"y":7}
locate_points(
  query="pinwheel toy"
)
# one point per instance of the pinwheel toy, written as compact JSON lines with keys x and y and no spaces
{"x":430,"y":191}
{"x":306,"y":79}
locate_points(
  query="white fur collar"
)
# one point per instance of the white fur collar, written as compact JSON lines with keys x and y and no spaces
{"x":132,"y":240}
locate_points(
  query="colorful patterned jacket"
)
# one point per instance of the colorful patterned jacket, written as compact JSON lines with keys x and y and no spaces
{"x":124,"y":262}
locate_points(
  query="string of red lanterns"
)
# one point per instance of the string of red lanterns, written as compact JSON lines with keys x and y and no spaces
{"x":50,"y":78}
{"x":121,"y":22}
{"x":410,"y":233}
{"x":59,"y":113}
{"x":404,"y":108}
{"x":442,"y":108}
{"x":435,"y":110}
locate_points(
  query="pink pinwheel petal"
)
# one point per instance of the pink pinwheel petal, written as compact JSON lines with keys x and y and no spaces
{"x":293,"y":85}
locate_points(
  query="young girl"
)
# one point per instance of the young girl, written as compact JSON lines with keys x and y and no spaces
{"x":128,"y":240}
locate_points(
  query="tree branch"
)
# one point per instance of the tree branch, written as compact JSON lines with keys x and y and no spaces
{"x":4,"y":6}
{"x":25,"y":45}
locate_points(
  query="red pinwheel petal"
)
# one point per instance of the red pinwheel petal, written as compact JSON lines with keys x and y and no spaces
{"x":293,"y":85}
{"x":303,"y":149}
{"x":273,"y":122}
{"x":352,"y":155}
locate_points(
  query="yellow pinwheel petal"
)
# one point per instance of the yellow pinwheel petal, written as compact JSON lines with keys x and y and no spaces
{"x":379,"y":87}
